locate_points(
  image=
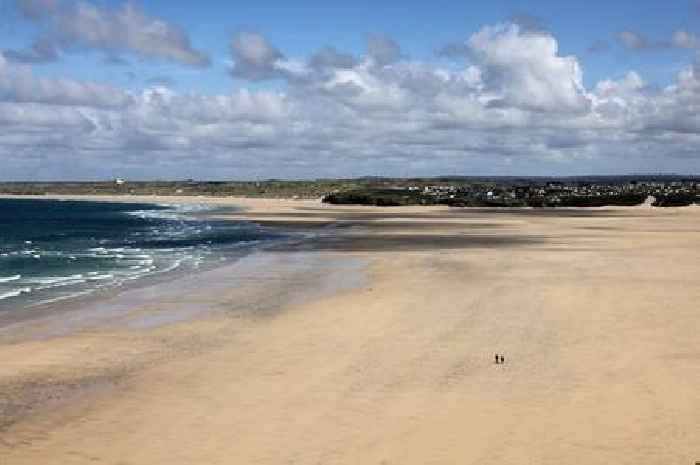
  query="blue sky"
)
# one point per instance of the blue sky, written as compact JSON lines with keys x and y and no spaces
{"x":234,"y":58}
{"x":300,"y":27}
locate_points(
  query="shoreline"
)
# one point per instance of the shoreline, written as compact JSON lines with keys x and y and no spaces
{"x":397,"y":367}
{"x":160,"y":302}
{"x":244,"y":202}
{"x":94,"y":296}
{"x":156,"y":317}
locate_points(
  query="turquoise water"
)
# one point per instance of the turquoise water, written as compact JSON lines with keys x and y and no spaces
{"x":53,"y":250}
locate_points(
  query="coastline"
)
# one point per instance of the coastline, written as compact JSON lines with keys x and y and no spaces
{"x":260,"y":204}
{"x":396,"y":365}
{"x":159,"y":302}
{"x":187,"y":229}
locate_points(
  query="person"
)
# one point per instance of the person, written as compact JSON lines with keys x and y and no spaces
{"x":503,"y":359}
{"x":496,"y":356}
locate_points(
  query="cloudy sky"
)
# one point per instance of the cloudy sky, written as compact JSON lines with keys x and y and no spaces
{"x":304,"y":89}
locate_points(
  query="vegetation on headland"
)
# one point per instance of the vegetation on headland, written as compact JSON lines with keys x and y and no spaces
{"x":269,"y":188}
{"x":380,"y":198}
{"x":680,"y":199}
{"x":597,"y":191}
{"x":403,"y":197}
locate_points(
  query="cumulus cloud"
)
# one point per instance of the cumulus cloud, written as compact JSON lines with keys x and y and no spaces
{"x":126,"y":28}
{"x":18,"y":84}
{"x":254,"y":57}
{"x":519,"y":68}
{"x":330,"y":58}
{"x":524,"y":70}
{"x":515,"y":102}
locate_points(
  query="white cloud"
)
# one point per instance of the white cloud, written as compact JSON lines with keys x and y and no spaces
{"x":383,"y":50}
{"x":516,"y":104}
{"x":254,"y":57}
{"x":18,"y":84}
{"x":123,"y":29}
{"x":524,"y":70}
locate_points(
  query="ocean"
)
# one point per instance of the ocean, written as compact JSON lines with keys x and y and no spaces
{"x":52,"y":251}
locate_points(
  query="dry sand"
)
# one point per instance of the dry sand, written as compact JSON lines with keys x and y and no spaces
{"x":596,"y":312}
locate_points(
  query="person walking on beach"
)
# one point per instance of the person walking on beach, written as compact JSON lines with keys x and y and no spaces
{"x":496,"y":357}
{"x":503,"y":360}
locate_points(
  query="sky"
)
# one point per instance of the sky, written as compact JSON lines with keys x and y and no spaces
{"x":259,"y":89}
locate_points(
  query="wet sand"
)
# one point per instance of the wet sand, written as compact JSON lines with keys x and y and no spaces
{"x":595,"y":311}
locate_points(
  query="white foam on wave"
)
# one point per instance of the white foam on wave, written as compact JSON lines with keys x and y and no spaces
{"x":91,"y":255}
{"x":141,"y":262}
{"x":7,"y":279}
{"x":100,"y":277}
{"x":173,"y":211}
{"x":61,"y":284}
{"x":172,"y":267}
{"x":53,"y":279}
{"x":137,"y":256}
{"x":98,"y":249}
{"x":116,"y":264}
{"x":15,"y":293}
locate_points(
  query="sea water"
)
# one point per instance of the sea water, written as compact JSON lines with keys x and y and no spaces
{"x":53,"y":250}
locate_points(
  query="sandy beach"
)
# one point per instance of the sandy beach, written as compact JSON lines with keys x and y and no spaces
{"x":374,"y":344}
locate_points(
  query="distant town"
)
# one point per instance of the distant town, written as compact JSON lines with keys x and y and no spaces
{"x":533,"y":192}
{"x":458,"y":191}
